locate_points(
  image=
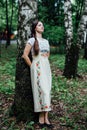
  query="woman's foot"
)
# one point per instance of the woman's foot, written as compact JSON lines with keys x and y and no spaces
{"x":48,"y":124}
{"x":47,"y":121}
{"x":41,"y":125}
{"x":41,"y":120}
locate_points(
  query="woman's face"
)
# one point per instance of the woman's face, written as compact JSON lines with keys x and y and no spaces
{"x":39,"y":28}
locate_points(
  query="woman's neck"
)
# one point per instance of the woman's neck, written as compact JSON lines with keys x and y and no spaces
{"x":38,"y":35}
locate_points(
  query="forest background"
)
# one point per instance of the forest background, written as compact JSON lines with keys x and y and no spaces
{"x":69,"y":94}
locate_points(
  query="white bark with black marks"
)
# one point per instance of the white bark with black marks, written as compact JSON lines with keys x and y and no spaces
{"x":73,"y":45}
{"x":71,"y":59}
{"x":22,"y":107}
{"x":68,"y":23}
{"x":82,"y":25}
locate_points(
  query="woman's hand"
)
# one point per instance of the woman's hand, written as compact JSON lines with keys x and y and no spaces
{"x":26,"y":53}
{"x":45,"y":54}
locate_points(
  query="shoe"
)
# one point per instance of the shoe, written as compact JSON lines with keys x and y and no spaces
{"x":49,"y":125}
{"x":41,"y":125}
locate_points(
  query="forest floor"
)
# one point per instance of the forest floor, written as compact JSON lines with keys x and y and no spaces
{"x":69,"y":96}
{"x":57,"y":115}
{"x":9,"y":123}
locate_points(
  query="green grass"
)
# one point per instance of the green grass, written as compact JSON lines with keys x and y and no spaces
{"x":58,"y":60}
{"x":7,"y":68}
{"x":71,"y":93}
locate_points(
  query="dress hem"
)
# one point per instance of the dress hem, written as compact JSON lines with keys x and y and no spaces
{"x":43,"y":110}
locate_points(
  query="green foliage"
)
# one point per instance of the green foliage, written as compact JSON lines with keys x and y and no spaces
{"x":71,"y":92}
{"x":82,"y":66}
{"x":3,"y":14}
{"x":51,"y":13}
{"x":53,"y":10}
{"x":29,"y":125}
{"x":7,"y":69}
{"x":54,"y":34}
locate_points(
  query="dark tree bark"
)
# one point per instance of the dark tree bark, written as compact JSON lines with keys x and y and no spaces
{"x":22,"y":107}
{"x":12,"y":2}
{"x":83,"y":28}
{"x":7,"y":26}
{"x":71,"y":62}
{"x":85,"y":43}
{"x":85,"y":51}
{"x":71,"y":58}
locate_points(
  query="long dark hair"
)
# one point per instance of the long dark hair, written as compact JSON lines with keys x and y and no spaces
{"x":33,"y":34}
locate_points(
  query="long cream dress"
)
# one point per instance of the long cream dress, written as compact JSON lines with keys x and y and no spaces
{"x":41,"y":77}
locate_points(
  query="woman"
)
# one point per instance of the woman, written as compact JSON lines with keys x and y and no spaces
{"x":40,"y":72}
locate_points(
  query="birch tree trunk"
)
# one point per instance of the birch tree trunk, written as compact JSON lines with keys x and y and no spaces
{"x":22,"y":107}
{"x":85,"y":44}
{"x":82,"y":25}
{"x":84,"y":28}
{"x":72,"y":48}
{"x":71,"y":58}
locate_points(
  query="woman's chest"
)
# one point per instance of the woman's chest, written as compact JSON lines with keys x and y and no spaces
{"x":43,"y":46}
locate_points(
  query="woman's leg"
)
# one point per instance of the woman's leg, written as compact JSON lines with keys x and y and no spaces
{"x":46,"y":118}
{"x":47,"y":122}
{"x":41,"y":118}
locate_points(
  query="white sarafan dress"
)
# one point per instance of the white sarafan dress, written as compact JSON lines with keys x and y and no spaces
{"x":41,"y":78}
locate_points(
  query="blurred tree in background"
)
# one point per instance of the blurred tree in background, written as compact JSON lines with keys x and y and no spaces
{"x":50,"y":12}
{"x":85,"y":42}
{"x":74,"y":36}
{"x":77,"y":9}
{"x":8,"y":19}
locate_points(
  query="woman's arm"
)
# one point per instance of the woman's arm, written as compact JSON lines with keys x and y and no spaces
{"x":48,"y":54}
{"x":26,"y":53}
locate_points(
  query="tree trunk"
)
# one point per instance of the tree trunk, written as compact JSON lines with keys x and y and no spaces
{"x":22,"y":107}
{"x":71,"y":62}
{"x":11,"y":17}
{"x":72,"y":52}
{"x":79,"y":9}
{"x":85,"y":43}
{"x":85,"y":28}
{"x":85,"y":51}
{"x":82,"y":25}
{"x":71,"y":58}
{"x":7,"y":26}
